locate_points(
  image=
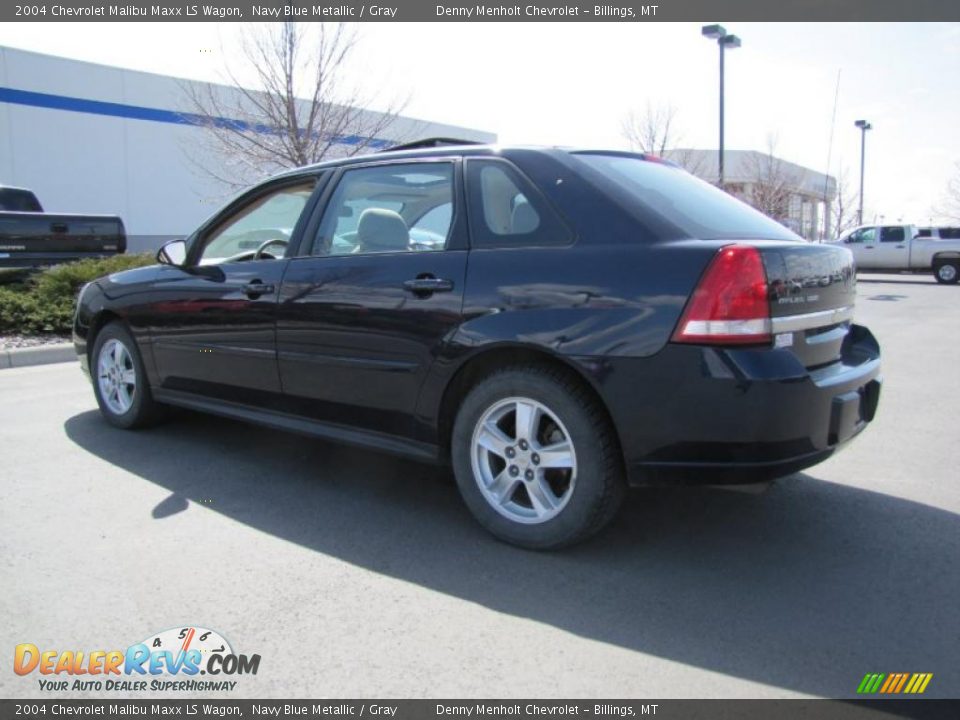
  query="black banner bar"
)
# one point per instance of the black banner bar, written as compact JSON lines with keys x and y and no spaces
{"x":918,"y":708}
{"x":440,"y":10}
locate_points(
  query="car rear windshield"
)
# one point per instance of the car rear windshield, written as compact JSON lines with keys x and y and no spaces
{"x":15,"y":200}
{"x":699,"y":209}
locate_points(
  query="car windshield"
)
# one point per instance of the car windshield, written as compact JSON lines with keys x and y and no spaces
{"x":699,"y":209}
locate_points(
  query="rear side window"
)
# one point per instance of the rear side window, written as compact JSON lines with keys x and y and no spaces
{"x":892,"y":234}
{"x":697,"y":208}
{"x":950,"y":233}
{"x":507,"y":211}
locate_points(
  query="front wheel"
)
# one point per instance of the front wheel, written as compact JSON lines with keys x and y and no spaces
{"x":119,"y":380}
{"x":535,"y":459}
{"x":947,"y":272}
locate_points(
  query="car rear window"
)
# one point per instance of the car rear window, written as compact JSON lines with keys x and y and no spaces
{"x":696,"y":207}
{"x":18,"y":200}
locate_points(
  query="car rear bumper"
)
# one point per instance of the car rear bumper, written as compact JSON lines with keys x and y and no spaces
{"x":694,"y":414}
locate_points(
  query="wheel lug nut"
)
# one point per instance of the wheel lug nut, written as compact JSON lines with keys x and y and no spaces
{"x":523,"y":445}
{"x":528,"y":474}
{"x":535,"y":458}
{"x":511,"y":452}
{"x":514,"y":470}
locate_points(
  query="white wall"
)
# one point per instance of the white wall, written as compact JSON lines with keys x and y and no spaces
{"x":88,"y":162}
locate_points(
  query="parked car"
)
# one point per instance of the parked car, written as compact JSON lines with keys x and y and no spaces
{"x":30,"y":237}
{"x":897,"y":248}
{"x":591,"y":320}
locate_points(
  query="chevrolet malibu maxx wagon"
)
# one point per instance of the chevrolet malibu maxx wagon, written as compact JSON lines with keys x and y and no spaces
{"x":555,"y":324}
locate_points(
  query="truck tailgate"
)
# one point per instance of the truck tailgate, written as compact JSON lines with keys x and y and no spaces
{"x":45,"y":238}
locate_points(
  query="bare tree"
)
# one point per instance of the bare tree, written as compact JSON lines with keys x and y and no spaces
{"x":949,"y":206}
{"x":770,"y":183}
{"x":843,"y":210}
{"x":654,"y":132}
{"x":301,"y":112}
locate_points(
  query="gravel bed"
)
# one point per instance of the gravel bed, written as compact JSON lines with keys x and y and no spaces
{"x":13,"y":342}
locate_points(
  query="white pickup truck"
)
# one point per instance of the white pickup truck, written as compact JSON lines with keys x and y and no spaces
{"x":896,"y":248}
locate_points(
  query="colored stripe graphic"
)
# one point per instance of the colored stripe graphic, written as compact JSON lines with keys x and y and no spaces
{"x":899,"y":687}
{"x":894,"y":683}
{"x":138,"y":112}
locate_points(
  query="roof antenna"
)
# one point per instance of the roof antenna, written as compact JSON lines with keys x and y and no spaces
{"x":833,"y":124}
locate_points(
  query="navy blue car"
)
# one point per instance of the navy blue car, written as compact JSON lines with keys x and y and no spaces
{"x":555,"y":324}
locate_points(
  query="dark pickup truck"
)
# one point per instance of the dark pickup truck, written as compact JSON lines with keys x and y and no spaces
{"x":30,"y":237}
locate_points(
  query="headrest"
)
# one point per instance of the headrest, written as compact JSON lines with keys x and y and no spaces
{"x":381,"y":230}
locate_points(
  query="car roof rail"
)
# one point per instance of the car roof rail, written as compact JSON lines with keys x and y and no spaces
{"x":430,"y":143}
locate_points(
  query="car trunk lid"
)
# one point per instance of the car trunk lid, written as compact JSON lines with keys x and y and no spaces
{"x":812,"y":292}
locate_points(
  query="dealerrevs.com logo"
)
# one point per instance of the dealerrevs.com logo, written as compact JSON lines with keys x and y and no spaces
{"x":172,"y":660}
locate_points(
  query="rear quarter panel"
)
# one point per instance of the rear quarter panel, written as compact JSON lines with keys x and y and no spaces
{"x":584,"y":304}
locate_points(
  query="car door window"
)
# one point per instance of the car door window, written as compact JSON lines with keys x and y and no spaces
{"x":865,"y":235}
{"x":892,"y":234}
{"x":264,"y":225}
{"x":388,"y":208}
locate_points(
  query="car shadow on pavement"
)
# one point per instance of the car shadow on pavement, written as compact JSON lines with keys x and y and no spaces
{"x":806,"y":587}
{"x":903,"y":280}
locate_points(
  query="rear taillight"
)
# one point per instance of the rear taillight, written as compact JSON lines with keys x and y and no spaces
{"x":730,"y":305}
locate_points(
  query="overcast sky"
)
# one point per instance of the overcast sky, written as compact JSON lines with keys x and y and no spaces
{"x":572,"y":84}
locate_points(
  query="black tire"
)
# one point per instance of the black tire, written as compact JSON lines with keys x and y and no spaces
{"x":143,"y":410}
{"x":947,"y":272}
{"x":599,"y":488}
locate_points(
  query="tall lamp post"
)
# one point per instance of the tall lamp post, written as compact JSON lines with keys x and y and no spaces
{"x":724,"y":41}
{"x":864,"y":126}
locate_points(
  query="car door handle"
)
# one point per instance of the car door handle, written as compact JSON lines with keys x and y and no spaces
{"x":868,"y":247}
{"x":255,"y":288}
{"x":426,"y":285}
{"x":58,"y":227}
{"x":900,"y":247}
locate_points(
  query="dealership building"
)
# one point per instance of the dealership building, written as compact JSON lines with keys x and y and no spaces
{"x":805,"y":196}
{"x":89,"y":138}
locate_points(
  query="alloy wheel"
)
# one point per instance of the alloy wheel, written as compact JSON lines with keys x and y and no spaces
{"x":524,"y":460}
{"x":116,"y":376}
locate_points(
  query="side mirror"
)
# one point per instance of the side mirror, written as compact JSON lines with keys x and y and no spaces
{"x":172,"y":253}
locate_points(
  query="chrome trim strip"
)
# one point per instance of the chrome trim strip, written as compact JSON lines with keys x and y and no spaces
{"x":808,"y":321}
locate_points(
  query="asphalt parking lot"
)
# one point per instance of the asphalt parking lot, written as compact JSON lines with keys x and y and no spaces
{"x":359,"y":575}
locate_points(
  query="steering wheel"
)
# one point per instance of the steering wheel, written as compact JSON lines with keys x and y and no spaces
{"x":258,"y":253}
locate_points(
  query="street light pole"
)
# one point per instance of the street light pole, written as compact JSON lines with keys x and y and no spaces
{"x":720,"y":150}
{"x":724,"y":41}
{"x":864,"y":126}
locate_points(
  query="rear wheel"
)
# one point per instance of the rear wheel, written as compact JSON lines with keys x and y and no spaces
{"x":947,"y":272}
{"x":535,"y":459}
{"x":119,"y":379}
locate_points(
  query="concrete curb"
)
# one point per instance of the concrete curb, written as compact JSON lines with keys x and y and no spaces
{"x":40,"y":355}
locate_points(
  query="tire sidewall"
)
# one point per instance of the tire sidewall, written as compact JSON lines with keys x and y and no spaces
{"x":956,"y":273}
{"x":578,"y":515}
{"x":134,"y":415}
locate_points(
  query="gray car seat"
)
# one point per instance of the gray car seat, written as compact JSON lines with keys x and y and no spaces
{"x":381,"y":230}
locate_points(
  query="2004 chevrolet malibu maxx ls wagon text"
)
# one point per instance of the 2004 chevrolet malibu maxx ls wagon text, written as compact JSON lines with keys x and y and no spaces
{"x":556,"y":324}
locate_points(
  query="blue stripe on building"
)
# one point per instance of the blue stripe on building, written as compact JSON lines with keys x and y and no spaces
{"x":138,"y":112}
